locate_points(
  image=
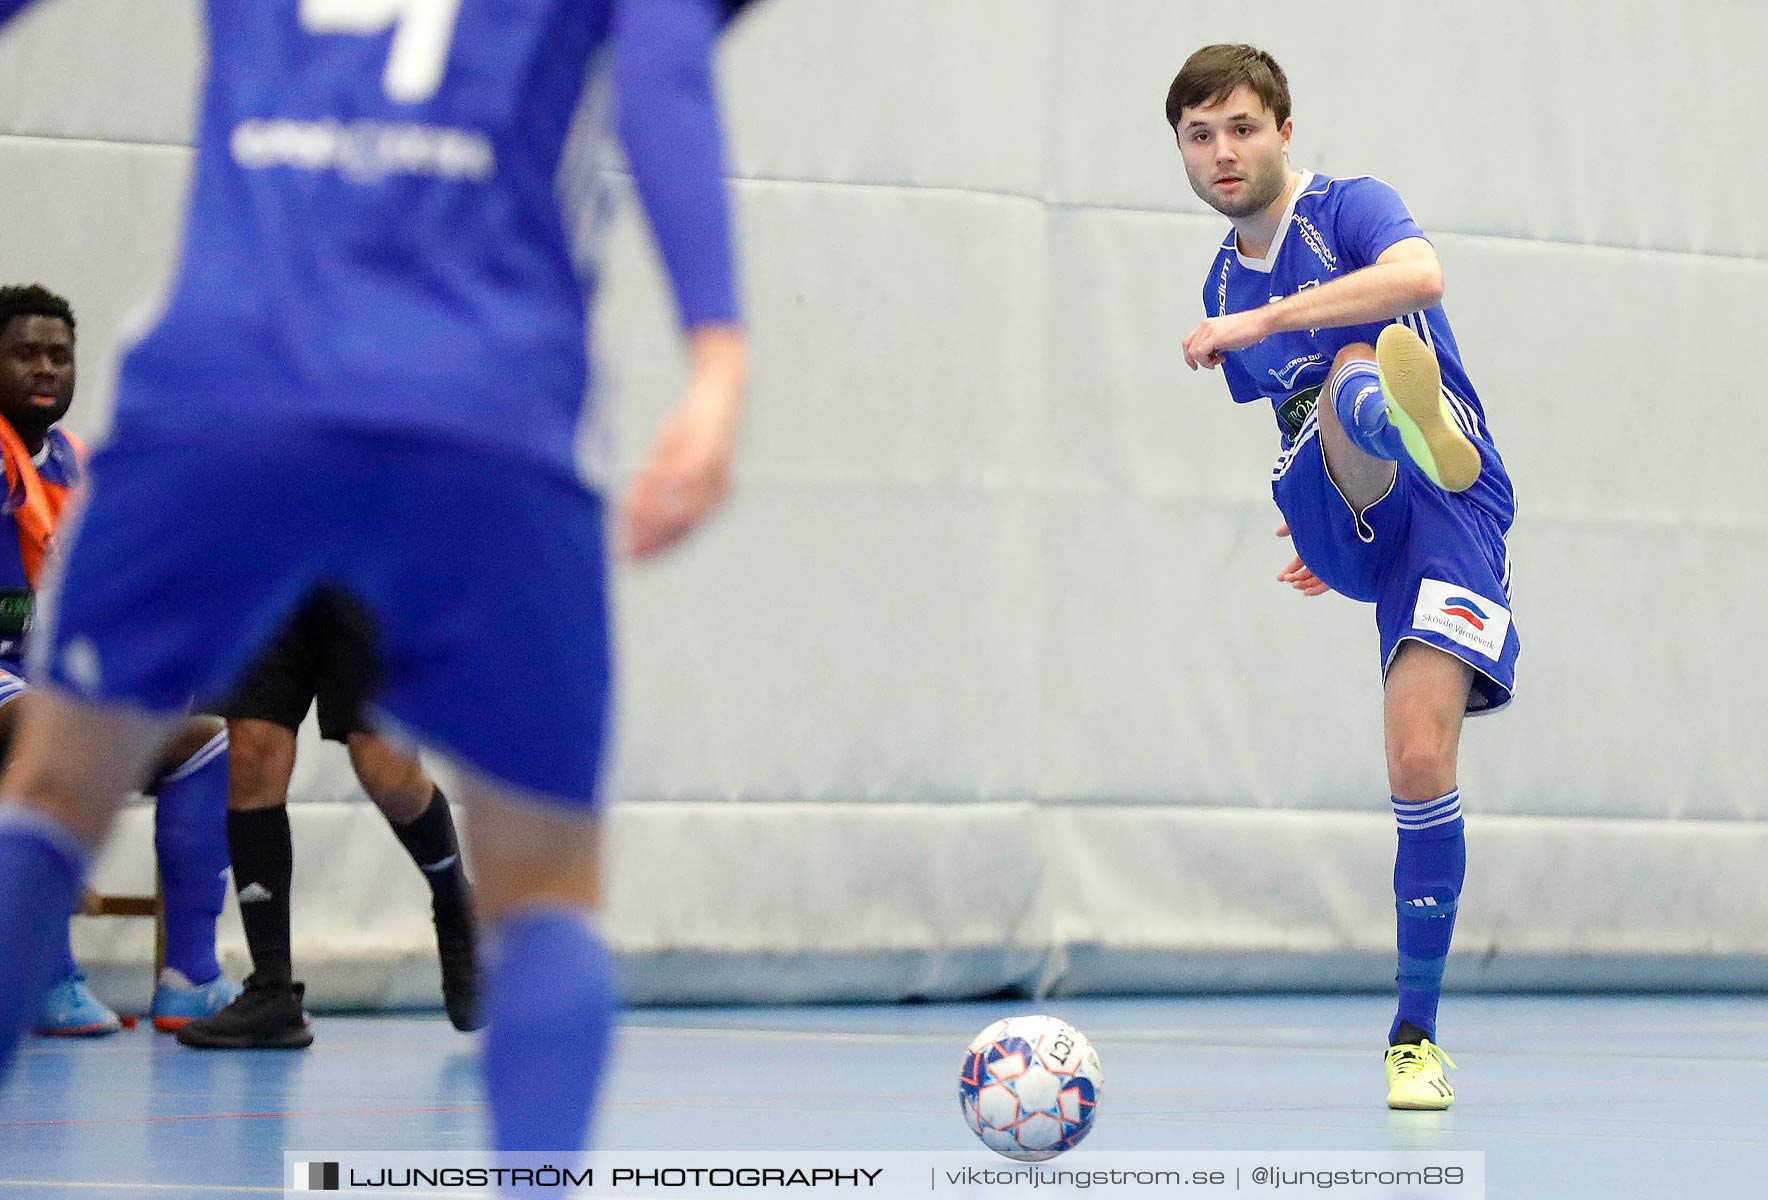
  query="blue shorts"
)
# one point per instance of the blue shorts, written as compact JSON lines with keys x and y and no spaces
{"x":483,"y":575}
{"x":1434,"y":563}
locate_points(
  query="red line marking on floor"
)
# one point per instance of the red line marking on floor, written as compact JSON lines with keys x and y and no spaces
{"x":256,"y":1116}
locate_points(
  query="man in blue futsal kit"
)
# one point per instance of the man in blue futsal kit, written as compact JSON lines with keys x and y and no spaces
{"x":1325,"y":301}
{"x":368,"y":377}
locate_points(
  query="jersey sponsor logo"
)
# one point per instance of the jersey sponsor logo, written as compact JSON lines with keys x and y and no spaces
{"x":1462,"y":616}
{"x":365,"y":151}
{"x":1222,"y":287}
{"x":1316,"y":243}
{"x":1289,"y":372}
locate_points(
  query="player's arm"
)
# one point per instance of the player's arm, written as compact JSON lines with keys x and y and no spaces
{"x":669,"y":125}
{"x":1404,"y":278}
{"x":11,"y":8}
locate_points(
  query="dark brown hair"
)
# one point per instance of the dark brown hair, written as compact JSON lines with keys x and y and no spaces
{"x":1210,"y":74}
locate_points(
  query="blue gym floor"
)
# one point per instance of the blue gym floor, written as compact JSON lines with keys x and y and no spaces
{"x":1570,"y":1097}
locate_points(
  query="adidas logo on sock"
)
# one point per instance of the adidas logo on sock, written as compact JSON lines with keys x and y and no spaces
{"x":253,"y":892}
{"x":1372,"y":392}
{"x":1426,"y":902}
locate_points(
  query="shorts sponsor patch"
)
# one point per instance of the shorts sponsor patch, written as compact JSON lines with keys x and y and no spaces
{"x":16,"y":607}
{"x":1293,"y":412}
{"x":1462,"y":616}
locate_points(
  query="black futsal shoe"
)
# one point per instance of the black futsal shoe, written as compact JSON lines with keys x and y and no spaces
{"x":266,"y":1016}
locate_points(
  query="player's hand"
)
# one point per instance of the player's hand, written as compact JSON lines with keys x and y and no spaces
{"x":688,"y":473}
{"x":1297,"y":575}
{"x":1205,"y":345}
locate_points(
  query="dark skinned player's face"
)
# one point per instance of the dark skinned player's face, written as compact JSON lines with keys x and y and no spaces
{"x":36,"y":373}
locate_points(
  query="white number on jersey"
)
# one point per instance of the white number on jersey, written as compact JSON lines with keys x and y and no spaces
{"x":425,"y":30}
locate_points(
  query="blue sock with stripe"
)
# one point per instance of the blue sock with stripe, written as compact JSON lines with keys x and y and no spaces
{"x":550,"y":999}
{"x":1362,"y":411}
{"x":1429,"y":868}
{"x":41,"y":865}
{"x":190,"y":842}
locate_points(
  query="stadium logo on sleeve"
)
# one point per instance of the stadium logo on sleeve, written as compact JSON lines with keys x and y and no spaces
{"x":1463,"y":616}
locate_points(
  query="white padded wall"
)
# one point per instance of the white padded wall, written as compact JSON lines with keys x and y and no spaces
{"x":983,"y":680}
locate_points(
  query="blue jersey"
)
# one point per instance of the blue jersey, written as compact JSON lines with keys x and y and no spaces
{"x":374,"y":237}
{"x":1333,"y":227}
{"x":59,"y":465}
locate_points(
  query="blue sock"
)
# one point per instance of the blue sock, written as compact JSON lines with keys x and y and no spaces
{"x":550,"y":1000}
{"x":190,"y":841}
{"x":40,"y":868}
{"x":1429,"y":867}
{"x":1362,"y":411}
{"x":66,"y":966}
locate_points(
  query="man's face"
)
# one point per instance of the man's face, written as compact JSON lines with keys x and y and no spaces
{"x":36,"y":372}
{"x":1234,"y":153}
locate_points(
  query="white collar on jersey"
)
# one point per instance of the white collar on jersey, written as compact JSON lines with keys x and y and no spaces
{"x":1264,"y":265}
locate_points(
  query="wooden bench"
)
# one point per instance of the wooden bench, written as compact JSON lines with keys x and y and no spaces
{"x":95,"y":904}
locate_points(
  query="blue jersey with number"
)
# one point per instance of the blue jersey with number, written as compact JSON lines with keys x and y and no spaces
{"x":1332,"y":227}
{"x":374,"y":237}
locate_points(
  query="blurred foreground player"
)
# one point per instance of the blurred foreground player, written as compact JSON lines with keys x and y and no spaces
{"x":43,"y":464}
{"x":1325,"y":302}
{"x":368,"y":376}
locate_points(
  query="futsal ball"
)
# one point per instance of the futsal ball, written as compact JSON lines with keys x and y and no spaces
{"x":1030,"y":1087}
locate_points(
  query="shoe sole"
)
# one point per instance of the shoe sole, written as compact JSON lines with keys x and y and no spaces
{"x":461,"y":988}
{"x":292,"y":1040}
{"x":173,"y":1022}
{"x":1421,"y":1106}
{"x":80,"y":1031}
{"x":1413,"y":384}
{"x":465,"y":1024}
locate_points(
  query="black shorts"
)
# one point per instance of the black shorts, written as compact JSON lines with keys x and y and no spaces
{"x":325,"y":653}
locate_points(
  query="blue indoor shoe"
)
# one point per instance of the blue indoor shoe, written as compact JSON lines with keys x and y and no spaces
{"x":177,"y":1001}
{"x":71,"y":1010}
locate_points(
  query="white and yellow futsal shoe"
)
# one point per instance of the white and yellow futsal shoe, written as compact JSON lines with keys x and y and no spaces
{"x":1413,"y":385}
{"x":1415,"y":1077}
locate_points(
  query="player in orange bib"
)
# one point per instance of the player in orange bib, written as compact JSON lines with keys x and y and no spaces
{"x":43,"y":465}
